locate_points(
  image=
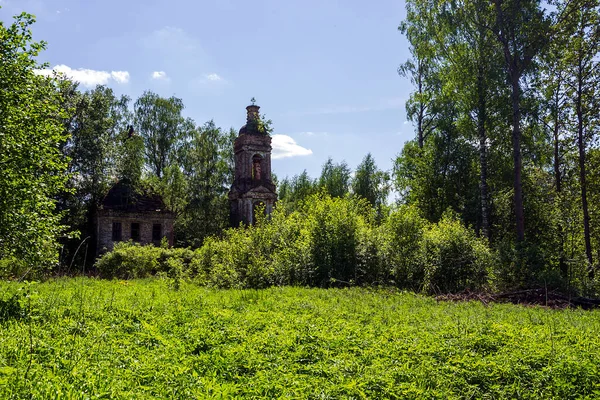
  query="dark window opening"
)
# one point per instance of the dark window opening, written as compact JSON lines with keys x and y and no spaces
{"x":135,"y":232}
{"x":116,"y":232}
{"x":156,"y":232}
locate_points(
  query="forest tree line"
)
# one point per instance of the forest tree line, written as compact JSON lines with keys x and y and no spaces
{"x":505,"y":102}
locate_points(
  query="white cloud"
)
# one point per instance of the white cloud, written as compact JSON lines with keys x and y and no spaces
{"x":160,"y":75}
{"x":213,"y":77}
{"x":87,"y":77}
{"x":406,"y":122}
{"x":284,"y":146}
{"x":120,"y":76}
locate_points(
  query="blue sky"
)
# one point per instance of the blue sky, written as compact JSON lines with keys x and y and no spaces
{"x":324,"y":71}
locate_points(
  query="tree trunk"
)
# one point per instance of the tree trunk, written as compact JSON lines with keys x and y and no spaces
{"x":515,"y":69}
{"x":582,"y":176}
{"x":564,"y":269}
{"x":516,"y":142}
{"x":557,"y":177}
{"x":481,"y":132}
{"x":421,"y":108}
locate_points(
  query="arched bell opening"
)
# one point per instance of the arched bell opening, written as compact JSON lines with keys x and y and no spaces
{"x":257,"y":167}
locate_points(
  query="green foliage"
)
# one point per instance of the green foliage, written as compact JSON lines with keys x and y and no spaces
{"x":13,"y":268}
{"x":271,"y":252}
{"x":189,"y":166}
{"x":85,"y":338}
{"x":334,"y":226}
{"x":208,"y":173}
{"x":402,"y":239}
{"x":131,"y":260}
{"x":438,"y":176}
{"x":335,"y":178}
{"x":325,"y":242}
{"x":454,"y":258}
{"x":131,"y":159}
{"x":96,"y":127}
{"x":504,"y":102}
{"x":163,"y":128}
{"x":260,"y":124}
{"x":99,"y":151}
{"x":371,"y":184}
{"x":328,"y":241}
{"x":292,"y":192}
{"x":11,"y":308}
{"x":128,"y":261}
{"x":32,"y":170}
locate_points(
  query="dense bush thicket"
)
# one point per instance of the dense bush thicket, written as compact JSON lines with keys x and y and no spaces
{"x":325,"y":242}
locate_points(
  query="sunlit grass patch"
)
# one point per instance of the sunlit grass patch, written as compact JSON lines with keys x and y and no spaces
{"x":87,"y":338}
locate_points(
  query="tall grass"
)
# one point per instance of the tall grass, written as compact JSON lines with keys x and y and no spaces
{"x":85,"y":338}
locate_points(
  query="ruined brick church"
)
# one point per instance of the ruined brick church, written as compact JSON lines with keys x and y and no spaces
{"x":128,"y":213}
{"x":253,"y":189}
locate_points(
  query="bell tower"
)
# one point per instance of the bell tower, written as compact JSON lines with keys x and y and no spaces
{"x":253,"y":189}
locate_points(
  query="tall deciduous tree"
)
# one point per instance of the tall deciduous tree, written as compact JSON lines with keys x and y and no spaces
{"x":96,"y":127}
{"x":439,"y":176}
{"x":160,"y":122}
{"x":130,"y":161}
{"x":473,"y":74}
{"x":32,"y":170}
{"x":292,"y":192}
{"x":371,"y":183}
{"x":581,"y":59}
{"x":421,"y":69}
{"x":522,"y":30}
{"x":335,"y":178}
{"x":554,"y":105}
{"x":208,"y":170}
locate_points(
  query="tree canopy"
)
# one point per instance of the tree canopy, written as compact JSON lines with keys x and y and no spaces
{"x":32,"y":169}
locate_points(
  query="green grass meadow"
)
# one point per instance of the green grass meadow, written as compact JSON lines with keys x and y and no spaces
{"x":87,"y":338}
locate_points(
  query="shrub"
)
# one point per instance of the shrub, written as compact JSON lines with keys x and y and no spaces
{"x":333,"y":225}
{"x":292,"y":263}
{"x":326,"y":241}
{"x":400,"y":243}
{"x":454,"y":258}
{"x":238,"y":260}
{"x":11,"y":308}
{"x":371,"y":265}
{"x":131,"y":260}
{"x":12,"y":268}
{"x":315,"y":245}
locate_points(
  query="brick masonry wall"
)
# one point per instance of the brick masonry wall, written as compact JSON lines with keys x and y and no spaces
{"x":145,"y":219}
{"x":246,"y":146}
